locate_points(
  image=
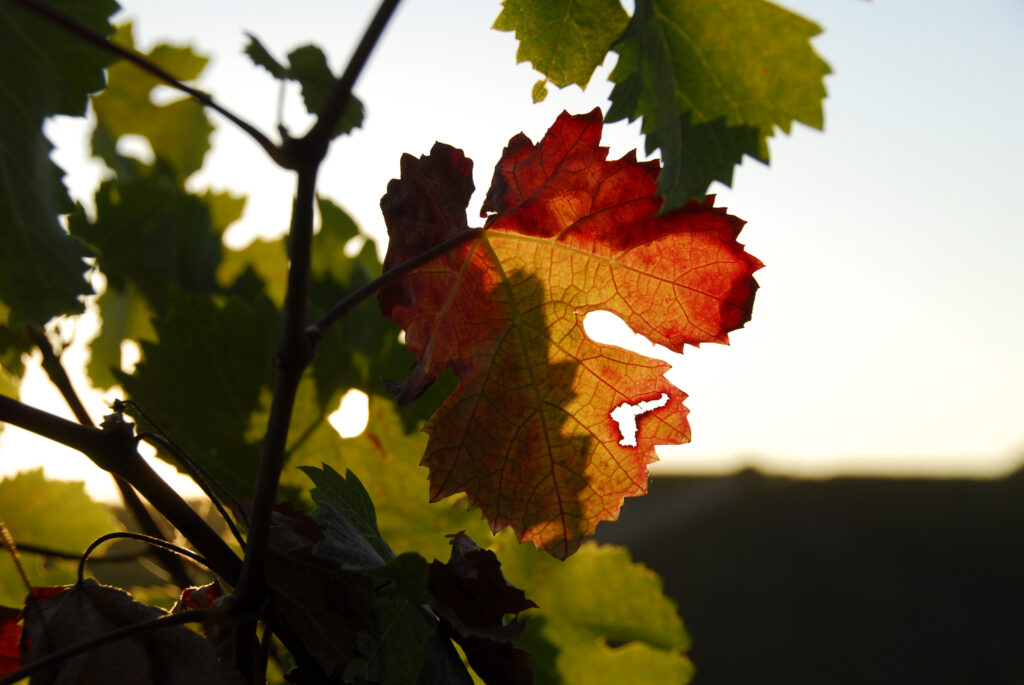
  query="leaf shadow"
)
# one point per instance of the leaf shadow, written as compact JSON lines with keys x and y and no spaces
{"x":502,"y":435}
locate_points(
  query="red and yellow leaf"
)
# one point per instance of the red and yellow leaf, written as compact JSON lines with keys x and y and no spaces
{"x":529,"y":434}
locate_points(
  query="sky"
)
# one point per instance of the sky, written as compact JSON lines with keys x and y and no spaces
{"x":887,"y":332}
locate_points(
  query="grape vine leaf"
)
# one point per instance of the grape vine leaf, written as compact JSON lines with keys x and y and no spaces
{"x":178,"y":132}
{"x":565,"y":40}
{"x":88,"y":610}
{"x":628,"y":632}
{"x":527,"y":434}
{"x":712,"y":80}
{"x":205,"y":379}
{"x":307,"y":64}
{"x":472,"y":595}
{"x":45,"y":73}
{"x":326,"y":604}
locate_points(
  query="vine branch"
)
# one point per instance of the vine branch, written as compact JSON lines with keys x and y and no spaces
{"x":113,"y":449}
{"x":294,"y":350}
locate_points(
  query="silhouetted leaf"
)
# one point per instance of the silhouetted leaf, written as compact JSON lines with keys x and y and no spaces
{"x":173,"y":655}
{"x":307,"y":65}
{"x":324,"y":603}
{"x":45,"y":73}
{"x":472,"y":595}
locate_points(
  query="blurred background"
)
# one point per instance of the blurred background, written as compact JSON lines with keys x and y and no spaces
{"x":847,"y":509}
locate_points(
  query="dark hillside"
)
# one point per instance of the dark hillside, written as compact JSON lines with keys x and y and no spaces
{"x":849,"y":580}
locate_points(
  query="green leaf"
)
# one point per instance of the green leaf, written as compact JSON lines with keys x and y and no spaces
{"x":387,"y":461}
{"x":566,"y":40}
{"x":601,"y":617}
{"x":712,"y":80}
{"x":178,"y":132}
{"x":45,"y":73}
{"x":206,"y":379}
{"x":261,"y":57}
{"x":149,"y":233}
{"x":396,"y":649}
{"x":50,"y":513}
{"x":308,"y":66}
{"x":540,"y":91}
{"x":347,"y":496}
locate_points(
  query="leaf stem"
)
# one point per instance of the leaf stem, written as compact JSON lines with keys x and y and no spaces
{"x":167,"y":621}
{"x":316,"y":331}
{"x":59,"y":377}
{"x":99,"y":40}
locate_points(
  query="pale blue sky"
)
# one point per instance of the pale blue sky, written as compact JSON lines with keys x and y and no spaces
{"x":888,"y":328}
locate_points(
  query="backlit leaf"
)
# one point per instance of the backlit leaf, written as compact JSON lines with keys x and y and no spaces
{"x":566,"y":40}
{"x":150,"y":235}
{"x":712,"y":80}
{"x":529,"y":434}
{"x":178,"y":132}
{"x":50,"y":513}
{"x":627,"y":631}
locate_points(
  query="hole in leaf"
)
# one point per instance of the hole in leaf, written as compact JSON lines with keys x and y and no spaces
{"x":626,"y":416}
{"x":352,"y":414}
{"x":609,"y":329}
{"x":137,"y":147}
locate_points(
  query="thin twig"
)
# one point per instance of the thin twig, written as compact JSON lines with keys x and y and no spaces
{"x":196,"y":472}
{"x":59,"y":377}
{"x":128,"y":535}
{"x":133,"y":630}
{"x":316,"y":331}
{"x":101,"y":41}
